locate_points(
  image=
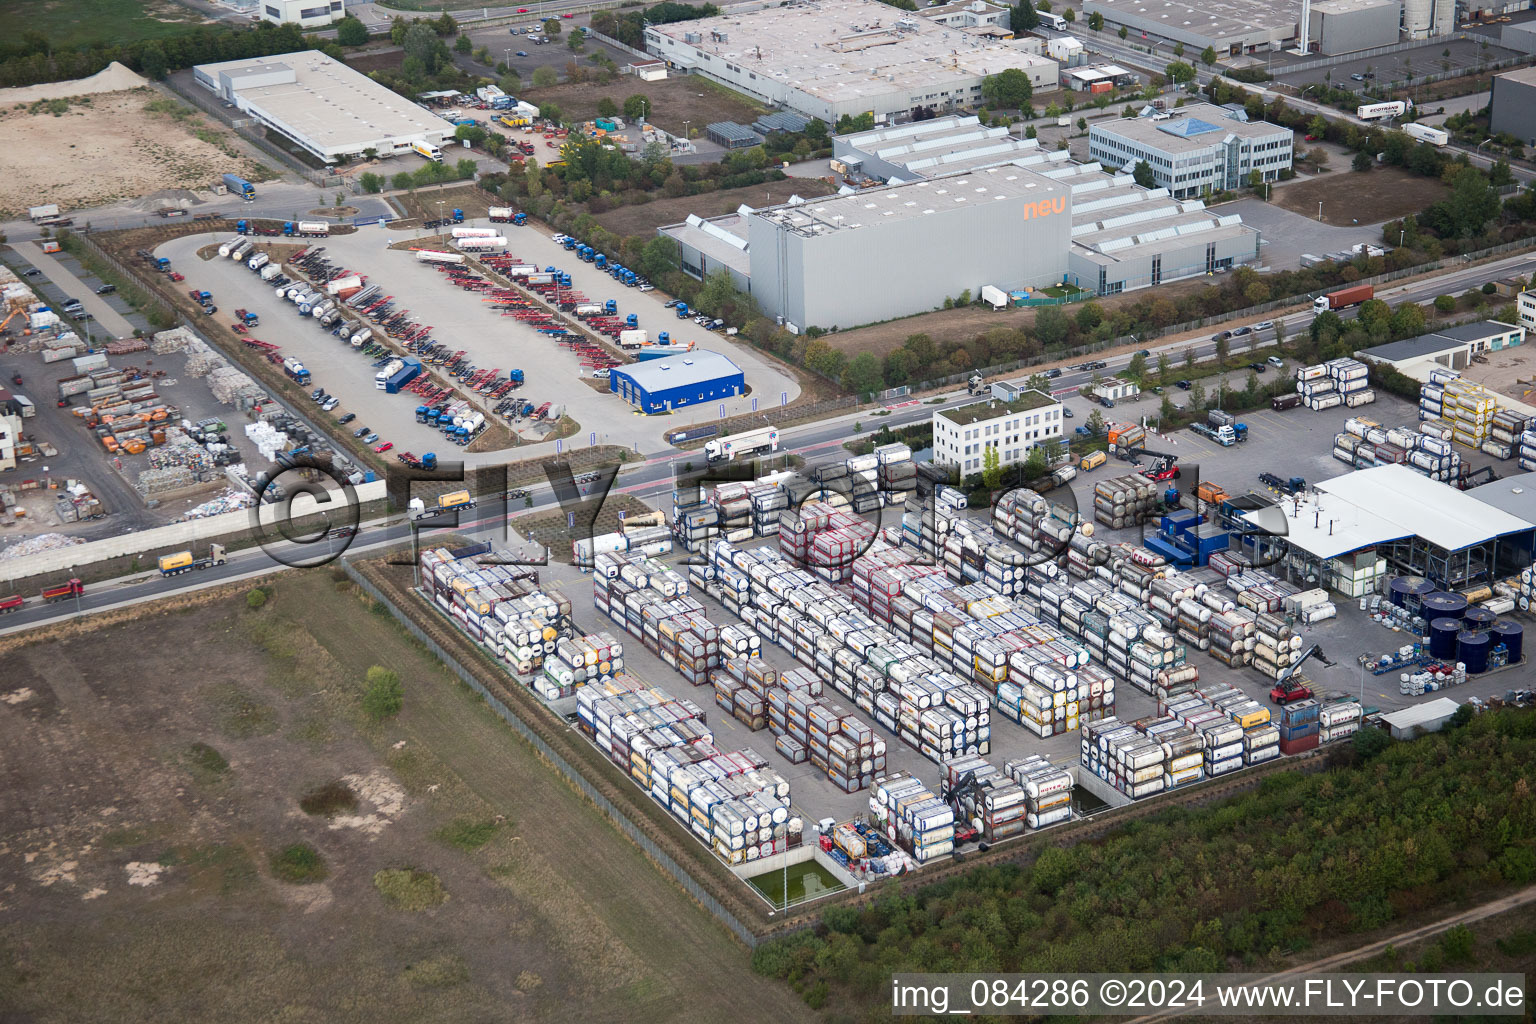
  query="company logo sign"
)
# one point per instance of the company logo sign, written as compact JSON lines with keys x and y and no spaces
{"x":1045,"y":207}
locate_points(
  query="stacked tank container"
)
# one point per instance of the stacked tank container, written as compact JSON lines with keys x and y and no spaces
{"x":580,"y":661}
{"x":897,"y":474}
{"x":911,"y":817}
{"x":1505,"y":433}
{"x":1338,"y":720}
{"x":1124,"y":757}
{"x":1124,"y":501}
{"x":1526,"y":453}
{"x":983,"y":797}
{"x":1047,"y":790}
{"x":1466,"y":407}
{"x":499,"y":606}
{"x":1317,"y":388}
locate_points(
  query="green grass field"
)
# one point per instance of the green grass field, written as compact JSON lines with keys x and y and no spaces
{"x":69,"y":23}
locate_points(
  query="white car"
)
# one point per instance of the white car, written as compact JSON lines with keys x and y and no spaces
{"x":1264,"y":325}
{"x":601,"y":373}
{"x":1276,"y":361}
{"x":647,"y":287}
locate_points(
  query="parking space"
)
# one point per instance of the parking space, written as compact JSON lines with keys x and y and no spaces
{"x":461,"y":321}
{"x":1287,"y":236}
{"x":1460,"y":55}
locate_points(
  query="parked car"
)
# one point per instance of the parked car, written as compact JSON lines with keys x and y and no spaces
{"x":1258,"y":367}
{"x":106,"y":289}
{"x":1186,"y":385}
{"x":671,"y":303}
{"x":647,"y":287}
{"x":83,"y":317}
{"x":1276,"y":361}
{"x":522,"y":53}
{"x":1067,"y":412}
{"x":348,"y":418}
{"x":360,"y":431}
{"x":1356,"y":77}
{"x":315,"y":394}
{"x":1238,"y":332}
{"x":30,"y":272}
{"x":372,"y":437}
{"x":1221,"y":336}
{"x":329,"y":404}
{"x":382,"y":448}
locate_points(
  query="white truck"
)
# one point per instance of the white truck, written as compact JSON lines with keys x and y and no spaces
{"x":1380,"y":111}
{"x":433,"y":256}
{"x":42,"y":213}
{"x":1427,"y":133}
{"x":751,"y":442}
{"x":633,"y":338}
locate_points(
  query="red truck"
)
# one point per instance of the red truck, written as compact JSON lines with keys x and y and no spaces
{"x":74,"y":588}
{"x":1343,"y":298}
{"x":12,"y":603}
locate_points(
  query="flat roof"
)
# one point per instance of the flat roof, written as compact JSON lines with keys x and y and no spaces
{"x":1422,"y":347}
{"x":1350,"y":6}
{"x":991,"y":409}
{"x":1437,"y":512}
{"x":329,"y":104}
{"x":1216,"y":19}
{"x":1192,"y":127}
{"x":731,"y":130}
{"x":1513,"y":494}
{"x":1525,"y":76}
{"x":723,"y":239}
{"x":1326,"y":527}
{"x":1112,"y":216}
{"x":838,"y":50}
{"x":912,"y":199}
{"x":1418,"y":714}
{"x":1476,"y":332}
{"x":681,"y":370}
{"x":941,"y":146}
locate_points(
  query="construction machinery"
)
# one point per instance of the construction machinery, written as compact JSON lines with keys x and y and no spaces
{"x":1289,"y":686}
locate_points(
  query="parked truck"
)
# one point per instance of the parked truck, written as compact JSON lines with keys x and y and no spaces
{"x":1427,"y":133}
{"x":1218,"y":418}
{"x":403,"y":376}
{"x":182,"y":561}
{"x":258,"y":261}
{"x":454,"y":501}
{"x":1224,"y":436}
{"x":64,"y":591}
{"x":295,"y":371}
{"x":248,"y":318}
{"x":241,"y":250}
{"x":240,"y":187}
{"x":751,"y":442}
{"x":1343,"y":298}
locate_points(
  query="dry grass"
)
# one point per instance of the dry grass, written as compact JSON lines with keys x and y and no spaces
{"x":410,"y":889}
{"x":1369,"y":198}
{"x":673,"y":101}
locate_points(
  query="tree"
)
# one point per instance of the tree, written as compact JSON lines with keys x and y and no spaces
{"x":1445,"y":303}
{"x":1123,"y":32}
{"x":1223,"y":348}
{"x":371,"y":182}
{"x":544,"y":77}
{"x":1143,"y":175}
{"x":1208,"y":56}
{"x":1136,"y":369}
{"x":1189,"y":358}
{"x":1096,"y":21}
{"x":1089,"y":316}
{"x":1178,"y":49}
{"x":991,"y":466}
{"x":1082,"y":124}
{"x":403,"y":180}
{"x":1009,"y":89}
{"x":1179,"y":72}
{"x":351,"y":32}
{"x":471,"y":133}
{"x":577,"y":40}
{"x":1361,"y":162}
{"x":152,"y":61}
{"x":552,"y":27}
{"x":1069,"y":15}
{"x":384,"y":696}
{"x":1370,"y":742}
{"x":463,"y":44}
{"x":420,"y":44}
{"x":1024,"y":18}
{"x":1095,"y":422}
{"x":397,"y":30}
{"x":1036,"y":464}
{"x":1167,"y":409}
{"x":864,"y":374}
{"x":1317,"y":127}
{"x":1164,"y":364}
{"x":445,"y":25}
{"x":638,"y":106}
{"x":1499,"y":175}
{"x":1407,"y":321}
{"x":1051,"y":325}
{"x":1197,"y":396}
{"x":606,"y":107}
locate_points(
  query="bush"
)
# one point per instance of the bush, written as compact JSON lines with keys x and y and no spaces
{"x":256,"y":598}
{"x":384,"y":696}
{"x":299,"y":864}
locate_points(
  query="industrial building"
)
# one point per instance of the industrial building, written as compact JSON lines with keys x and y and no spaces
{"x":1345,"y":26}
{"x":889,"y":252}
{"x":1014,"y":427}
{"x":661,"y":385}
{"x":10,"y":429}
{"x":844,"y":57}
{"x":1393,"y":514}
{"x":1097,"y":78}
{"x":1452,"y":347}
{"x":304,"y":13}
{"x":716,"y":243}
{"x":924,"y":149}
{"x":1196,"y":149}
{"x":976,"y":14}
{"x":1513,"y":106}
{"x":320,"y":104}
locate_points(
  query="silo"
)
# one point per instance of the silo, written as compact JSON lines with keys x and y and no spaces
{"x":1418,"y":18}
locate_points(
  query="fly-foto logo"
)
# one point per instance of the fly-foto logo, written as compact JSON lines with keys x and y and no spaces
{"x":1045,"y":207}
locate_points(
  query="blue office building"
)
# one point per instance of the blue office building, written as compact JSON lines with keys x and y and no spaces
{"x":688,"y":378}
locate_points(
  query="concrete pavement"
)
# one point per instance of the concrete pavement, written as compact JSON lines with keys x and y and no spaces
{"x":110,"y":319}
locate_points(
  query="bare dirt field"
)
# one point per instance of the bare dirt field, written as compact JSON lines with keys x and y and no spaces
{"x":1510,"y":372}
{"x":1372,"y":197}
{"x":673,"y":101}
{"x":109,"y":147}
{"x":646,"y":218}
{"x":146,"y":789}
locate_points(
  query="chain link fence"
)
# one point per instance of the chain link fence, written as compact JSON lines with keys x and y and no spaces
{"x":152,"y":300}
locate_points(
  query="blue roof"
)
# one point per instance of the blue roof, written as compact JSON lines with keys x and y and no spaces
{"x":681,"y":370}
{"x":1188,"y":127}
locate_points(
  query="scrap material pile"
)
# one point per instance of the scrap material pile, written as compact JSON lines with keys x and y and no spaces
{"x":40,"y":543}
{"x":232,"y":387}
{"x":230,"y":501}
{"x":731,"y":800}
{"x":123,"y":346}
{"x":267,"y":439}
{"x":499,"y":605}
{"x":154,"y":482}
{"x":181,"y":450}
{"x":177,"y":339}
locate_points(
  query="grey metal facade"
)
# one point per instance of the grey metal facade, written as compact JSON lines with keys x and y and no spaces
{"x":1151,"y":263}
{"x":1348,"y":27}
{"x":1514,"y":105}
{"x":885,"y":268}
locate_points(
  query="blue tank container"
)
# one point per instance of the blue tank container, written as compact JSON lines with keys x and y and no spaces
{"x":1478,"y":618}
{"x":1472,"y":651}
{"x":1442,"y":638}
{"x":1449,"y":606}
{"x":1512,"y":635}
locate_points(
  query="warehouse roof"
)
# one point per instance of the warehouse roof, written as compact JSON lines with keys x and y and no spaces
{"x":1192,"y":127}
{"x":991,"y":409}
{"x":780,"y":121}
{"x":1349,"y":6}
{"x":732,"y":131}
{"x":1513,"y":494}
{"x":840,"y":50}
{"x":327,"y":103}
{"x":1437,"y":710}
{"x":1475,"y":332}
{"x":679,"y":371}
{"x":722,"y":239}
{"x":1437,"y":512}
{"x":1212,"y":19}
{"x":1326,"y":527}
{"x":1524,"y":76}
{"x":1422,"y":347}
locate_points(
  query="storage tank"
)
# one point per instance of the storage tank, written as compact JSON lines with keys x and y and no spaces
{"x":1512,"y":635}
{"x":1478,"y":618}
{"x":1442,"y":638}
{"x":1472,"y":650}
{"x":1451,"y":606}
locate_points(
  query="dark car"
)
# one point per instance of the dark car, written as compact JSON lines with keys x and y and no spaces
{"x":348,"y":418}
{"x":30,"y":272}
{"x":1145,"y":352}
{"x":106,"y":289}
{"x":360,"y":431}
{"x":1223,"y":336}
{"x":1066,"y":412}
{"x":522,"y":53}
{"x":1186,"y":385}
{"x":1257,"y":367}
{"x":1053,"y":373}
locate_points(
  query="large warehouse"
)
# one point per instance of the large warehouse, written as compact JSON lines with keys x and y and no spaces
{"x":1235,"y":27}
{"x":1513,"y":107}
{"x":1197,"y":149}
{"x":1347,"y":26}
{"x":844,"y":57}
{"x":319,"y":103}
{"x":661,"y":385}
{"x":890,"y":252}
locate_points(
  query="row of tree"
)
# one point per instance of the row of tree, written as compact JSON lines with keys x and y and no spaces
{"x":628,"y":26}
{"x":1387,"y":831}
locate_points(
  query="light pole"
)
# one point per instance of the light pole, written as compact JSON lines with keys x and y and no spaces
{"x":685,"y":133}
{"x":1319,"y":209}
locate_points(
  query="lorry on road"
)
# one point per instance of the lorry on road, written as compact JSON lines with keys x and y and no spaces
{"x":240,"y":187}
{"x":1343,"y":298}
{"x":38,"y":214}
{"x":751,"y":442}
{"x":74,"y":588}
{"x":1427,"y":133}
{"x":454,"y":501}
{"x":182,"y":561}
{"x":1381,"y":111}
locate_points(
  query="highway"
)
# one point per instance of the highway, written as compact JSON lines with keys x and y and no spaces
{"x":653,"y":477}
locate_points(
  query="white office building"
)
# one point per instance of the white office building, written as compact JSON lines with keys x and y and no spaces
{"x":1195,"y":149}
{"x":962,"y":436}
{"x":304,"y":13}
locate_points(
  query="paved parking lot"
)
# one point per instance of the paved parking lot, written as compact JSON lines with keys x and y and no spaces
{"x":461,"y":321}
{"x":1288,"y":236}
{"x":1464,"y":56}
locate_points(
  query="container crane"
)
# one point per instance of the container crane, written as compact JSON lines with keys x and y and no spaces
{"x":1287,"y":687}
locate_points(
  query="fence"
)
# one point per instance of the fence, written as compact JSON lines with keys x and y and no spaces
{"x":607,"y":40}
{"x":152,"y":297}
{"x":629,"y":828}
{"x":1373,"y":51}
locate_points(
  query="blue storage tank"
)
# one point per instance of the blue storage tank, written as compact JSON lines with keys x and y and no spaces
{"x":1442,"y":605}
{"x":1478,"y":618}
{"x":1512,"y":635}
{"x":1409,"y":591}
{"x":1472,"y":650}
{"x":1442,"y":638}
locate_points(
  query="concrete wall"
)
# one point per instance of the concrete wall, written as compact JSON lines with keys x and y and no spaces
{"x":1514,"y":109}
{"x":880,"y":271}
{"x":158,"y":540}
{"x":1348,"y":31}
